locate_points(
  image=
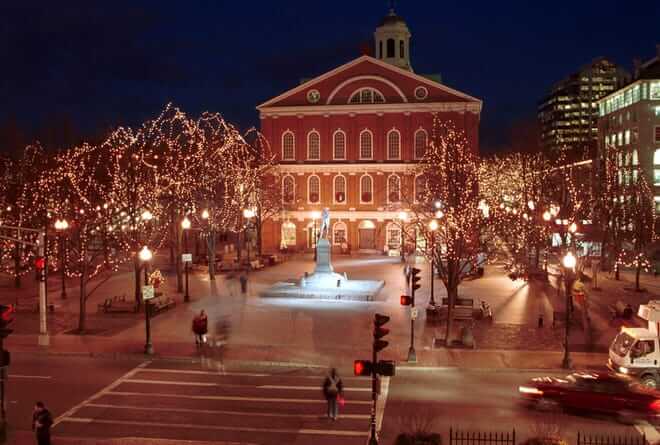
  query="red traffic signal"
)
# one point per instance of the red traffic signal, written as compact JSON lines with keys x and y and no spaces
{"x":406,"y":300}
{"x":362,"y":367}
{"x":6,"y":315}
{"x":40,"y":263}
{"x":379,"y":331}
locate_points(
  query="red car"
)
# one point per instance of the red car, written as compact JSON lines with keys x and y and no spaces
{"x":594,"y":392}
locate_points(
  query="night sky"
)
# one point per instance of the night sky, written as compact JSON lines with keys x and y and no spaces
{"x":104,"y":63}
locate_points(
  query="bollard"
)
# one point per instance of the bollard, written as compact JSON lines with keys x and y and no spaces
{"x":540,"y":320}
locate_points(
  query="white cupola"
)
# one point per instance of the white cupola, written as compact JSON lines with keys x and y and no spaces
{"x":393,"y":41}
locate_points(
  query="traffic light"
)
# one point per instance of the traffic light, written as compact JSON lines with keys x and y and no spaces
{"x":406,"y":300}
{"x":6,"y":315}
{"x":414,"y":280}
{"x":40,"y":266}
{"x":386,"y":368}
{"x":379,"y":332}
{"x":362,"y":368}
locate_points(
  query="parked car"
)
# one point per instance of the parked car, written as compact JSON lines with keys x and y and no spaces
{"x":594,"y":392}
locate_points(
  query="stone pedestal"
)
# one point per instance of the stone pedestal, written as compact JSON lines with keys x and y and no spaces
{"x":323,"y":264}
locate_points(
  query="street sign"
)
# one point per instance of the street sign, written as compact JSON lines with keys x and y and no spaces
{"x":147,"y":292}
{"x":186,"y":257}
{"x":413,"y":313}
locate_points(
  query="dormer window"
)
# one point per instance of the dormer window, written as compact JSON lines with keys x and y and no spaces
{"x":367,"y":96}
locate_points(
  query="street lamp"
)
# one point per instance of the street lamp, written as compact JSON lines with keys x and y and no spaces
{"x":145,"y":256}
{"x":403,"y":217}
{"x":568,"y":262}
{"x":205,"y":214}
{"x":185,"y":225}
{"x":61,"y":225}
{"x":147,"y":215}
{"x":248,"y":214}
{"x":315,"y":215}
{"x":433,"y":226}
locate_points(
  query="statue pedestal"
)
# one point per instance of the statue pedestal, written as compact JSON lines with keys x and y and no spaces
{"x":323,"y":250}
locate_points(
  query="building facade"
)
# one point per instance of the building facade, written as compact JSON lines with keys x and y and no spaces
{"x":568,"y":115}
{"x":350,"y":140}
{"x":629,"y":119}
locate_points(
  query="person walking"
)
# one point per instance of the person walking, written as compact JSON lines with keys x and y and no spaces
{"x":200,"y":327}
{"x":41,"y":423}
{"x":333,"y":390}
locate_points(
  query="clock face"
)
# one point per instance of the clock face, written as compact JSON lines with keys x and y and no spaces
{"x":313,"y":96}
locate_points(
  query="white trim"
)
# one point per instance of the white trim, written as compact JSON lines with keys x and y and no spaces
{"x":393,"y":175}
{"x":309,"y":178}
{"x":371,"y":133}
{"x":375,"y":61}
{"x":426,"y":139}
{"x":372,"y":189}
{"x":387,"y":144}
{"x":293,"y":135}
{"x":334,"y":226}
{"x":334,"y":191}
{"x":349,"y":168}
{"x":309,"y":135}
{"x":339,"y":130}
{"x":334,"y":110}
{"x":294,"y":188}
{"x":365,"y":77}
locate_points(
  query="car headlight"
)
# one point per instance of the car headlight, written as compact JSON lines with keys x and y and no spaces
{"x":623,"y":370}
{"x":530,"y":390}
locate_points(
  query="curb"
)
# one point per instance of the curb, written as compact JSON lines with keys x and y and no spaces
{"x":407,"y":367}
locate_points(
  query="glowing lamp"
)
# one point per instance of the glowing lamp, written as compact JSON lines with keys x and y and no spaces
{"x":145,"y":254}
{"x":185,"y":224}
{"x":569,"y":260}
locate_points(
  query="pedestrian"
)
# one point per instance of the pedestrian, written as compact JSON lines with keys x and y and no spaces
{"x":200,"y":327}
{"x":333,"y":390}
{"x":41,"y":423}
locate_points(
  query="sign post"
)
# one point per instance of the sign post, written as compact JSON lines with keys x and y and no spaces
{"x":187,"y":259}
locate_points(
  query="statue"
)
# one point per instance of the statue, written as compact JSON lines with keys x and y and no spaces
{"x":324,"y":231}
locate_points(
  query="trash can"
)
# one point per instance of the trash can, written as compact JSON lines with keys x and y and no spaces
{"x":244,"y":283}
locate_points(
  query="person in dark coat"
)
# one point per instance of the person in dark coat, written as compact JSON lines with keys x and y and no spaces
{"x":200,"y":327}
{"x":333,"y":389}
{"x":41,"y":423}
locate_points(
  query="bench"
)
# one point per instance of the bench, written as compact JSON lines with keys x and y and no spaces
{"x":463,"y":308}
{"x":620,"y":310}
{"x":159,"y":304}
{"x":117,"y":304}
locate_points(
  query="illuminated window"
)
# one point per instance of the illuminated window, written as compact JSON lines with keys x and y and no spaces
{"x":420,"y":143}
{"x":656,"y":156}
{"x":620,"y":138}
{"x":393,"y":145}
{"x":340,"y":189}
{"x":366,"y":189}
{"x":339,"y":233}
{"x":314,"y":189}
{"x":313,"y":145}
{"x":393,"y":188}
{"x":288,"y":147}
{"x":635,"y":157}
{"x":656,"y":176}
{"x":288,"y":234}
{"x":288,"y":189}
{"x":654,"y":91}
{"x":366,"y":145}
{"x":339,"y":145}
{"x":366,"y":96}
{"x":626,"y":139}
{"x":420,"y":188}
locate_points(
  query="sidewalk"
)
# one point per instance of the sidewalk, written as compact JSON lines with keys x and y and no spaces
{"x":27,"y":438}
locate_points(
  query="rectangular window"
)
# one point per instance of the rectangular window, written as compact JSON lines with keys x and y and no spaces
{"x":634,"y":135}
{"x":656,"y":176}
{"x":626,"y":137}
{"x":393,"y":238}
{"x":619,"y":138}
{"x":657,"y":204}
{"x":654,"y":90}
{"x":657,"y":134}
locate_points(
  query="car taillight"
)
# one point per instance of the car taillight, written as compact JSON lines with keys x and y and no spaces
{"x":530,"y":390}
{"x":655,"y":405}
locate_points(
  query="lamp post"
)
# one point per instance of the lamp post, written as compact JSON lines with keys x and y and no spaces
{"x":403,"y":217}
{"x":433,"y":226}
{"x":145,"y":256}
{"x":315,"y":215}
{"x":185,"y":225}
{"x":61,"y":225}
{"x":568,"y":262}
{"x":248,"y":214}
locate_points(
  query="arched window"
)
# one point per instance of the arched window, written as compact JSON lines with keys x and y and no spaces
{"x":420,"y":188}
{"x":366,"y":189}
{"x":313,"y":145}
{"x":393,"y":188}
{"x":393,"y":145}
{"x":288,"y":234}
{"x":390,"y":48}
{"x":314,"y":189}
{"x":366,"y":145}
{"x":340,"y":189}
{"x":288,"y":146}
{"x":339,"y":145}
{"x":366,"y":96}
{"x":401,"y":49}
{"x":339,"y":233}
{"x":420,"y":143}
{"x":288,"y":189}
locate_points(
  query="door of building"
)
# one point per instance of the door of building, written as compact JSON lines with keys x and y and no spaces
{"x":367,"y":238}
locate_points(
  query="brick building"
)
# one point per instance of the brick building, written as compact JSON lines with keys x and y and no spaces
{"x":350,"y":140}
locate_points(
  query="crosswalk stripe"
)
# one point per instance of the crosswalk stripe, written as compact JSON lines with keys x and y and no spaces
{"x":649,"y":431}
{"x":234,"y":385}
{"x":246,"y":374}
{"x":319,"y":432}
{"x":234,"y":398}
{"x":218,"y":411}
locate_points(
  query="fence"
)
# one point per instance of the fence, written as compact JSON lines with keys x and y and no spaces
{"x":458,"y":437}
{"x":584,"y":439}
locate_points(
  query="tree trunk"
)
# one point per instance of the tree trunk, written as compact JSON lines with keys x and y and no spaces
{"x":82,"y":319}
{"x":637,"y":273}
{"x":258,"y":228}
{"x":210,"y":244}
{"x":176,"y":229}
{"x":136,"y":269}
{"x":17,"y":265}
{"x":452,"y":294}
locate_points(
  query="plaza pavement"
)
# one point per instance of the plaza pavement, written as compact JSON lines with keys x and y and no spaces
{"x":326,"y":333}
